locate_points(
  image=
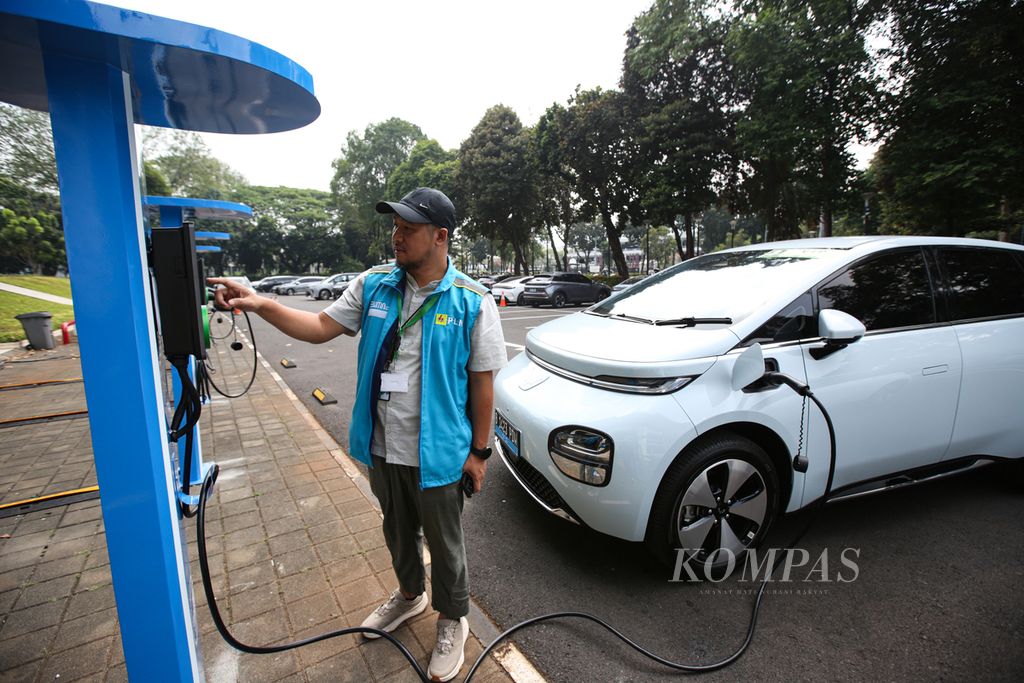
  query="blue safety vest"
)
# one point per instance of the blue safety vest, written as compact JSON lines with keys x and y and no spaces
{"x":445,"y":428}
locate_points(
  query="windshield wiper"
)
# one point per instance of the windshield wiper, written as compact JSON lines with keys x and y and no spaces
{"x":693,"y":322}
{"x":646,"y":321}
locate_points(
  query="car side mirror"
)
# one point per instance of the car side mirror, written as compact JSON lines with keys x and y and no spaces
{"x":749,"y":367}
{"x":838,"y":330}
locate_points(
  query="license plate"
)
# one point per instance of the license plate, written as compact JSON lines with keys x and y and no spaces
{"x":509,"y":435}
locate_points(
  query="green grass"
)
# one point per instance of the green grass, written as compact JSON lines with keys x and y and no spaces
{"x":58,"y":286}
{"x":13,"y":304}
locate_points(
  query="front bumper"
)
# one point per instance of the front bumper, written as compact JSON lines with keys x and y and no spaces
{"x":534,"y":483}
{"x":648,"y":432}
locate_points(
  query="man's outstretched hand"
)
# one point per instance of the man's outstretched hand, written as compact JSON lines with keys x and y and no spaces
{"x":229,"y":294}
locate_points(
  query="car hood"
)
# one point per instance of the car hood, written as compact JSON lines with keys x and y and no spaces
{"x":593,"y":345}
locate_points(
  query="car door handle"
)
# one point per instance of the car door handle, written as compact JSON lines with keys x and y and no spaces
{"x":935,"y":369}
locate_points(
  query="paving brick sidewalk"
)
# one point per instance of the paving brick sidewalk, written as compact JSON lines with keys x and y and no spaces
{"x":295,"y":544}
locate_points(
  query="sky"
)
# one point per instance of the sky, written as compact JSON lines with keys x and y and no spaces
{"x":439,"y":65}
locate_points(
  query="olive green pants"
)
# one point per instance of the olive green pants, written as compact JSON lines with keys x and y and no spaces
{"x":410,"y":514}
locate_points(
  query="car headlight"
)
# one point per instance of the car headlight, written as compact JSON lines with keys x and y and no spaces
{"x":582,"y":454}
{"x":629,"y":385}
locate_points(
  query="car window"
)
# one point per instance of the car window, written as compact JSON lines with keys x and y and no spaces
{"x":883,"y":292}
{"x":795,"y":321}
{"x":541,"y":280}
{"x":983,"y":283}
{"x":730,"y":284}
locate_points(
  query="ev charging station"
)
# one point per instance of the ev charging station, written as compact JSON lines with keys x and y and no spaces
{"x":175,"y":212}
{"x":98,"y":70}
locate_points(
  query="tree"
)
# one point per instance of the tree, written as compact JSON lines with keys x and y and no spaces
{"x":953,"y":156}
{"x":26,"y":148}
{"x":156,"y":182}
{"x":586,"y":239}
{"x":428,"y":165}
{"x":807,"y":91}
{"x":188,"y":166}
{"x":498,"y":181}
{"x":35,"y":242}
{"x":296,"y":230}
{"x":591,"y":146}
{"x":676,"y":77}
{"x":360,"y":178}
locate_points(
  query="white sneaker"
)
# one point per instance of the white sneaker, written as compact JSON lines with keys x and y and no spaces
{"x":448,"y":657}
{"x":393,"y":612}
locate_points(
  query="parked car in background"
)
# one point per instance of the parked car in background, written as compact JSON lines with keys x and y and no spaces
{"x":638,"y":418}
{"x":323,"y":289}
{"x":559,"y":289}
{"x":296,"y":285}
{"x":267,"y":284}
{"x":489,"y":280}
{"x":512,"y":289}
{"x":628,"y":282}
{"x":341,"y":283}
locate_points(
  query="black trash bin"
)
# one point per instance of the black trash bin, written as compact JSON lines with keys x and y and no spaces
{"x":37,"y":329}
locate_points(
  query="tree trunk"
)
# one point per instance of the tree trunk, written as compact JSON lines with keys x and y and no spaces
{"x":1004,"y":214}
{"x":554,"y":249}
{"x":826,"y":219}
{"x":679,"y":240}
{"x":688,"y":223}
{"x":614,"y":245}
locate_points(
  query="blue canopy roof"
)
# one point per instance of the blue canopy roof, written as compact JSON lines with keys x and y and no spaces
{"x":183,"y":75}
{"x":201,"y":208}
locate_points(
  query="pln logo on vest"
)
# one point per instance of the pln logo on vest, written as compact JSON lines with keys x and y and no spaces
{"x":444,"y":320}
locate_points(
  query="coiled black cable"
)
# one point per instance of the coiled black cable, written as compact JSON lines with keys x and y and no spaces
{"x":218,"y":620}
{"x":209,"y":371}
{"x":814,"y":508}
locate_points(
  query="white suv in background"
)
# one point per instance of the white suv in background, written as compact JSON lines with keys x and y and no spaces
{"x":624,"y":417}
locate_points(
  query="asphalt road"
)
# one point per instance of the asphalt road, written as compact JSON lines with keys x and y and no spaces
{"x":938,"y":592}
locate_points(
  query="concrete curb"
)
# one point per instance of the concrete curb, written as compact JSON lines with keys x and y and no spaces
{"x":511,"y":659}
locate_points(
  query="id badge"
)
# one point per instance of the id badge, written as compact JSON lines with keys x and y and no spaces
{"x":394,"y":381}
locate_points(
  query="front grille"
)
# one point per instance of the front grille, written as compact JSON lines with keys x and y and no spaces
{"x":538,"y":484}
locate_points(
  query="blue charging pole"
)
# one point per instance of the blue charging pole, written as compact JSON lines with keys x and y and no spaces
{"x":91,"y":114}
{"x":100,"y":70}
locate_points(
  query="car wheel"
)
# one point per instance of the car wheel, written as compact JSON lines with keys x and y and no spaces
{"x":601,"y":296}
{"x":289,"y":291}
{"x":520,"y":300}
{"x":717,"y":501}
{"x":559,"y":300}
{"x":324,"y":294}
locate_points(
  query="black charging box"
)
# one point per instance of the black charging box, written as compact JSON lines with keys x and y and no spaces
{"x":179,"y":290}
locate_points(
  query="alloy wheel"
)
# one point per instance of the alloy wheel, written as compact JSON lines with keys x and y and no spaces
{"x":721,"y":511}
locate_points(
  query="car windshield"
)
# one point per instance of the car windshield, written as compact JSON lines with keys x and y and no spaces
{"x":723,"y":285}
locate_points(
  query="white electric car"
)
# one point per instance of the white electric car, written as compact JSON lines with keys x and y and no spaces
{"x":626,"y":417}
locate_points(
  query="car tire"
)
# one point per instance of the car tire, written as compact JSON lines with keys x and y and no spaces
{"x":289,"y":291}
{"x":520,"y":300}
{"x":323,"y":294}
{"x":558,"y":301}
{"x":601,"y":296}
{"x":717,"y":500}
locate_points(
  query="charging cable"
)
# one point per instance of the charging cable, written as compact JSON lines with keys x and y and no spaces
{"x":770,"y":378}
{"x":208,"y":371}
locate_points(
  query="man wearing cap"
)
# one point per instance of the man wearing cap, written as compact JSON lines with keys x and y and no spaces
{"x":430,"y":343}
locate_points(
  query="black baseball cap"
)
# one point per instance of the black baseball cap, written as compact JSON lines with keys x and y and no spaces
{"x":423,"y":205}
